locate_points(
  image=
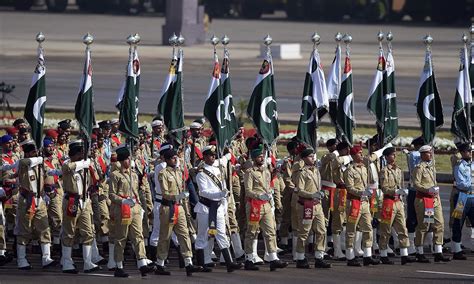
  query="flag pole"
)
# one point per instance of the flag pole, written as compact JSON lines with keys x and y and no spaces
{"x":333,"y":101}
{"x":428,"y":40}
{"x":464,"y":57}
{"x":380,"y":128}
{"x":180,"y":42}
{"x":267,"y":41}
{"x":40,"y":38}
{"x":316,"y":39}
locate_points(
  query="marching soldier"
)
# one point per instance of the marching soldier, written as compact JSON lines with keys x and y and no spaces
{"x":310,"y":212}
{"x":64,"y":126}
{"x":172,"y":215}
{"x":127,"y":213}
{"x":197,"y":142}
{"x":32,"y":218}
{"x":259,"y":212}
{"x":157,"y":138}
{"x":5,"y":257}
{"x":428,"y":206}
{"x":393,"y":210}
{"x":211,"y":209}
{"x":77,"y":209}
{"x":358,"y":209}
{"x":115,"y":135}
{"x":8,"y":175}
{"x":62,"y":148}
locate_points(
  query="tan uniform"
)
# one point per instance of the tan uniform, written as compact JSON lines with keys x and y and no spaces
{"x":144,"y":193}
{"x":257,"y":182}
{"x":355,"y":179}
{"x":171,"y":183}
{"x":424,"y":177}
{"x":307,"y":183}
{"x":9,"y":184}
{"x":327,"y":183}
{"x":100,"y":197}
{"x":126,"y":227}
{"x":32,"y":216}
{"x":286,"y":199}
{"x":391,"y":179}
{"x":339,"y":213}
{"x":278,"y":191}
{"x":53,"y":189}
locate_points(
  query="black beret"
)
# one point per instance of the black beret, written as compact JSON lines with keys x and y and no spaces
{"x":28,"y":146}
{"x":464,"y":147}
{"x":168,"y":154}
{"x":342,"y":145}
{"x":292,"y":145}
{"x":64,"y":124}
{"x":75,"y":147}
{"x":105,"y":124}
{"x":122,"y":153}
{"x":331,"y":142}
{"x":418,"y":141}
{"x":306,"y":152}
{"x":389,"y":151}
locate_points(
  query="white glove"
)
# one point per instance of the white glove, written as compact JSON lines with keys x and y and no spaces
{"x":402,"y":191}
{"x":46,"y":199}
{"x":132,"y":164}
{"x":434,"y":190}
{"x":264,"y":197}
{"x":182,"y":195}
{"x":367,"y":192}
{"x":2,"y":193}
{"x":55,"y":172}
{"x":379,"y":152}
{"x":318,"y":195}
{"x":346,"y":160}
{"x":405,"y":151}
{"x":228,"y":156}
{"x":82,"y":164}
{"x":336,"y":153}
{"x":128,"y":201}
{"x":224,"y":193}
{"x":36,"y":161}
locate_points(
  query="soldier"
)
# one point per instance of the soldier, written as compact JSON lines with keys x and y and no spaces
{"x":8,"y":175}
{"x":20,"y":123}
{"x":310,"y":211}
{"x":77,"y":209}
{"x":62,"y":148}
{"x":259,"y":212}
{"x":5,"y":257}
{"x":32,"y":218}
{"x":64,"y":126}
{"x":393,"y":211}
{"x":124,"y":194}
{"x":156,"y":137}
{"x":106,"y":129}
{"x":197,"y":141}
{"x":428,"y":206}
{"x":172,"y":215}
{"x":115,"y":135}
{"x":211,"y":209}
{"x":358,"y":211}
{"x":464,"y":198}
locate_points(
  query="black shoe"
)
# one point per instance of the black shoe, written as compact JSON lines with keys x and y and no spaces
{"x":119,"y":272}
{"x":249,"y":265}
{"x":320,"y":263}
{"x":52,"y":264}
{"x":105,"y":249}
{"x":277,"y":264}
{"x":421,"y":258}
{"x":353,"y":262}
{"x":439,"y":257}
{"x":29,"y":267}
{"x":327,"y":257}
{"x":407,"y":259}
{"x":160,"y":270}
{"x":391,"y":254}
{"x":370,"y":261}
{"x":340,"y":259}
{"x":386,"y":260}
{"x":210,"y":265}
{"x":145,"y":269}
{"x":459,"y":256}
{"x":71,"y":271}
{"x":231,"y":266}
{"x":190,"y":269}
{"x":103,"y":261}
{"x":97,"y":268}
{"x":302,"y":263}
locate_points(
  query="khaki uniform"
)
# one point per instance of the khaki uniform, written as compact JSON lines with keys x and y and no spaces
{"x":121,"y":187}
{"x":231,"y":205}
{"x":257,"y":181}
{"x":144,"y":193}
{"x":392,"y":179}
{"x":278,"y":191}
{"x":308,"y":183}
{"x":286,"y":199}
{"x":339,"y":213}
{"x":100,"y":196}
{"x":31,"y":221}
{"x":424,"y":177}
{"x":9,"y":184}
{"x":54,"y":190}
{"x":355,"y":178}
{"x":171,"y":183}
{"x":82,"y":222}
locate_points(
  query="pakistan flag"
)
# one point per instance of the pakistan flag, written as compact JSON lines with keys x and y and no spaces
{"x":129,"y":102}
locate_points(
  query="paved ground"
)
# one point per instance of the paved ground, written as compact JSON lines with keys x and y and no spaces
{"x":64,"y":58}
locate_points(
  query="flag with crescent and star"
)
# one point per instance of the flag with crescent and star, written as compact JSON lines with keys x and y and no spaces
{"x":170,"y":106}
{"x":375,"y":102}
{"x":84,"y":108}
{"x":345,"y":104}
{"x":428,"y":103}
{"x":262,"y":107}
{"x":214,"y":105}
{"x":334,"y":87}
{"x":36,"y":102}
{"x":314,"y":98}
{"x":462,"y":101}
{"x":129,"y":103}
{"x":390,"y":128}
{"x":229,"y":114}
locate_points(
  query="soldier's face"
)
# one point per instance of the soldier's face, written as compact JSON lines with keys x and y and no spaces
{"x":309,"y":160}
{"x":426,"y":156}
{"x":7,"y":146}
{"x":172,"y":162}
{"x":209,"y":159}
{"x":259,"y":160}
{"x":391,"y":158}
{"x":125,"y":163}
{"x":157,"y":130}
{"x":357,"y":157}
{"x":466,"y":155}
{"x":196,"y":132}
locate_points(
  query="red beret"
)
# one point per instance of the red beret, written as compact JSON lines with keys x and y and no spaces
{"x":356,"y":149}
{"x":93,"y":136}
{"x":53,"y":133}
{"x":11,"y":130}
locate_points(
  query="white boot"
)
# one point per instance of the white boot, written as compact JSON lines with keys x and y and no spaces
{"x":46,"y":255}
{"x":237,"y":245}
{"x":207,"y":252}
{"x":256,"y":258}
{"x":96,"y":257}
{"x":350,"y":253}
{"x":111,"y":264}
{"x":266,"y":256}
{"x":396,"y":241}
{"x":429,"y":241}
{"x":358,"y":244}
{"x":23,"y":264}
{"x":343,"y":238}
{"x":337,"y":246}
{"x":66,"y":259}
{"x":411,"y":239}
{"x":87,"y":257}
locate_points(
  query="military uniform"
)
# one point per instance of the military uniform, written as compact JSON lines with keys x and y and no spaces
{"x":144,"y":192}
{"x":53,"y":189}
{"x":8,"y":175}
{"x":99,"y":190}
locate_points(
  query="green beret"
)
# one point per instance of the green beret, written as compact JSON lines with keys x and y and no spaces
{"x":256,"y":152}
{"x":306,"y":152}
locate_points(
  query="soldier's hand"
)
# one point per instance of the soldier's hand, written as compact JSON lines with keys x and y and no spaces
{"x":318,"y":195}
{"x":434,"y":190}
{"x":405,"y":151}
{"x":128,"y":201}
{"x":402,"y":191}
{"x":264,"y":197}
{"x":224,"y":193}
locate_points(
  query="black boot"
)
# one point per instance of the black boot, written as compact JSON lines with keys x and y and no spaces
{"x":105,"y":249}
{"x":200,"y":260}
{"x":320,"y":263}
{"x":459,"y":256}
{"x":145,"y":269}
{"x":439,"y":257}
{"x":277,"y":264}
{"x":190,"y":269}
{"x":231,"y":266}
{"x":386,"y":260}
{"x":302,"y":263}
{"x":160,"y":270}
{"x":370,"y":261}
{"x":353,"y":262}
{"x":421,"y":258}
{"x":56,"y":250}
{"x":152,"y":250}
{"x":407,"y":259}
{"x":119,"y":272}
{"x":249,"y":265}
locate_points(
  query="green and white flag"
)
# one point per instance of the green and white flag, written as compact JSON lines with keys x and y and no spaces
{"x":214,"y":105}
{"x":345,"y":104}
{"x":315,"y":98}
{"x":84,"y":108}
{"x":375,"y":102}
{"x":462,"y":101}
{"x":390,"y":128}
{"x":334,"y":87}
{"x":262,"y":108}
{"x":170,"y":106}
{"x":128,"y":102}
{"x":229,"y":114}
{"x":428,"y":103}
{"x":35,"y":104}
